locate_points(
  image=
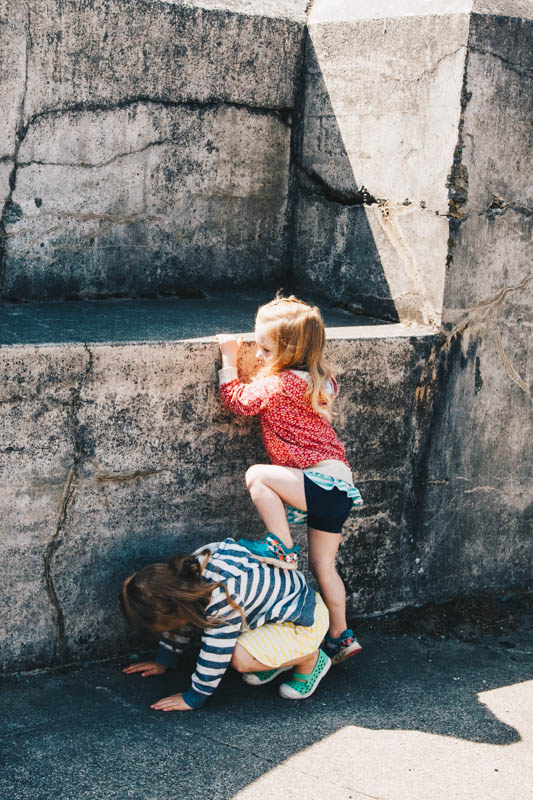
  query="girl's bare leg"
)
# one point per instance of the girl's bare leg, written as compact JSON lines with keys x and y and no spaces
{"x":242,"y":661}
{"x":322,"y":551}
{"x":271,"y":486}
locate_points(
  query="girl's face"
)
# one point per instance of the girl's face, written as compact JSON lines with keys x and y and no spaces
{"x":266,"y":349}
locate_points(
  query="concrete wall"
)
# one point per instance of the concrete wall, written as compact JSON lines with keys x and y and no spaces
{"x":476,"y":504}
{"x":116,"y":456}
{"x":168,"y":169}
{"x":379,"y":128}
{"x":145,"y":145}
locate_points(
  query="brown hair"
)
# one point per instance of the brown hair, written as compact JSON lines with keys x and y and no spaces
{"x":171,"y":596}
{"x":298,"y":333}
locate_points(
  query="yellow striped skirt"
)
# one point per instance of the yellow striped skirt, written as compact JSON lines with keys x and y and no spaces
{"x":278,"y":642}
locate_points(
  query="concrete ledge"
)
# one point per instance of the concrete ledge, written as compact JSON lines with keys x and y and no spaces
{"x":118,"y":454}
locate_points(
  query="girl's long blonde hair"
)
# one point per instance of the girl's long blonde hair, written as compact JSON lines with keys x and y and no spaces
{"x":299,"y":337}
{"x":170,"y":596}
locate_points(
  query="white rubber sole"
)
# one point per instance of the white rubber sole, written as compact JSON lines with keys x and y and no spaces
{"x":252,"y":680}
{"x":288,"y":693}
{"x":275,"y":563}
{"x":348,"y":652}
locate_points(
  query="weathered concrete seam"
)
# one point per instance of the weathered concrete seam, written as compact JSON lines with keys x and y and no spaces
{"x":511,"y":65}
{"x":20,"y":135}
{"x":99,"y":164}
{"x":281,"y":112}
{"x":106,"y":477}
{"x":69,"y":491}
{"x":479,"y":312}
{"x":425,"y":72}
{"x":320,"y":188}
{"x":295,"y":148}
{"x":388,"y":214}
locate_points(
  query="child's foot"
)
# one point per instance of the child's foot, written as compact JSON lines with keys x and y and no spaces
{"x":342,"y":648}
{"x":271,"y":550}
{"x":260,"y":678}
{"x":295,"y":516}
{"x":301,"y":686}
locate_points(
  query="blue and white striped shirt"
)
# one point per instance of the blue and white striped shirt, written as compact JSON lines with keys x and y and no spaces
{"x":264,"y":593}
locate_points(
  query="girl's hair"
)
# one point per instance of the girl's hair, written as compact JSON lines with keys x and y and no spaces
{"x":171,"y":596}
{"x":299,"y":337}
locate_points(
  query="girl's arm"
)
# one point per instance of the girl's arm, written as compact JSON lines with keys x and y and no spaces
{"x":217,"y":648}
{"x":245,"y":399}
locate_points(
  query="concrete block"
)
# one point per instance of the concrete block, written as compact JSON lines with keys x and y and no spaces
{"x":477,"y":508}
{"x":121,"y":455}
{"x":13,"y":42}
{"x":37,"y":451}
{"x":153,"y":141}
{"x":147,"y":199}
{"x":111,"y":52}
{"x":379,"y":130}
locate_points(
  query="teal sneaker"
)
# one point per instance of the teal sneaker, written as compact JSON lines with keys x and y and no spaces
{"x":271,"y":550}
{"x":342,"y":648}
{"x":260,"y":678}
{"x":301,"y":686}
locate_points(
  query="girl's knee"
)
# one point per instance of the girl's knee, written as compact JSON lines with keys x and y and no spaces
{"x":322,"y":569}
{"x":253,"y":475}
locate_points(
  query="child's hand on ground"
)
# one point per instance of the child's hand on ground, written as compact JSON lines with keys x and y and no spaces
{"x":229,"y":348}
{"x":174,"y":702}
{"x":146,"y":668}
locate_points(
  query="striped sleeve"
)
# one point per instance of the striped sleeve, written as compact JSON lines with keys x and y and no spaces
{"x":247,"y":399}
{"x":215,"y":653}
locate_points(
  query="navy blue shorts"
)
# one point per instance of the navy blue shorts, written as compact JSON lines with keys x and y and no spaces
{"x":327,"y":509}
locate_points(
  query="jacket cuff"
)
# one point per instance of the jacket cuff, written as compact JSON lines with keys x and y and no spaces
{"x":227,"y":374}
{"x":165,"y":657}
{"x":194,"y":699}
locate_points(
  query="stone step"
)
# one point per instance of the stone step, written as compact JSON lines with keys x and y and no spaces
{"x":115,"y":452}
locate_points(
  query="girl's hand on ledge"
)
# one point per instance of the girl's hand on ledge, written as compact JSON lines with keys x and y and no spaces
{"x":146,"y":668}
{"x":229,"y":348}
{"x":174,"y":702}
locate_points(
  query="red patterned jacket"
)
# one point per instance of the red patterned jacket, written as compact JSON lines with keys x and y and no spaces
{"x":293,"y":433}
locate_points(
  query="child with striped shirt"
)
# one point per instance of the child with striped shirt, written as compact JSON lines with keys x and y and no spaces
{"x":293,"y":395}
{"x":257,"y":618}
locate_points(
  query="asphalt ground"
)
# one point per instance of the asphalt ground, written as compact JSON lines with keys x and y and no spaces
{"x":412,"y":717}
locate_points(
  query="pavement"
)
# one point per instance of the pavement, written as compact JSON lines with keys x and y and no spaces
{"x":412,"y":717}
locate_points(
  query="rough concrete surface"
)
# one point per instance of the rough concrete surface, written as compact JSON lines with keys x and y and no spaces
{"x":477,"y":483}
{"x":410,"y":718}
{"x":187,"y":192}
{"x":378,"y":135}
{"x":118,"y":453}
{"x":145,"y":139}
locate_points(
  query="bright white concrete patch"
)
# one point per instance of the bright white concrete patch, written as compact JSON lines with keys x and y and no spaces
{"x":329,"y":10}
{"x":411,"y":765}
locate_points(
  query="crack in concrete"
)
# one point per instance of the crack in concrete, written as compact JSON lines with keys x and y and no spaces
{"x":20,"y":135}
{"x":511,"y":371}
{"x":478,"y":314}
{"x":429,"y":71}
{"x":509,"y":64}
{"x":457,"y":182}
{"x":344,"y":197}
{"x":388,"y":214}
{"x":283,"y":113}
{"x":99,"y":164}
{"x":107,"y":477}
{"x":69,"y":491}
